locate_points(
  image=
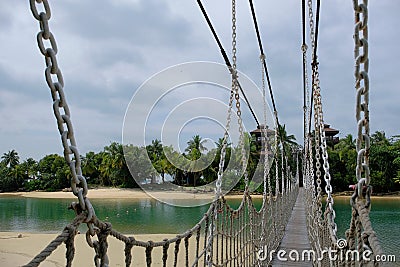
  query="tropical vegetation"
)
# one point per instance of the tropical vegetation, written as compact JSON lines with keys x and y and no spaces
{"x":129,"y":166}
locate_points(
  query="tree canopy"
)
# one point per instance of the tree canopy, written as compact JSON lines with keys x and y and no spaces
{"x":128,"y":166}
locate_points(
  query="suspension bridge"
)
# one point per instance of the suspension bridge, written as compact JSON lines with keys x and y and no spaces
{"x":291,"y":218}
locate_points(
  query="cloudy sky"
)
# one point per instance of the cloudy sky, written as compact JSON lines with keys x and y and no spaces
{"x":109,"y":48}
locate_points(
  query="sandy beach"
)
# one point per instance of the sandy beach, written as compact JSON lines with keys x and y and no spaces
{"x":137,"y":193}
{"x":123,"y":193}
{"x":16,"y":251}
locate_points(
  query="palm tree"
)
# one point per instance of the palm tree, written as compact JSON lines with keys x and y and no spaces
{"x":288,"y":144}
{"x":379,"y":138}
{"x":217,"y":158}
{"x":29,"y":167}
{"x":155,"y":150}
{"x":194,"y":149}
{"x":91,"y":166}
{"x":112,"y":162}
{"x":196,"y":143}
{"x":284,"y":137}
{"x":11,"y":158}
{"x":346,"y":143}
{"x":116,"y":152}
{"x":156,"y":154}
{"x":220,"y":144}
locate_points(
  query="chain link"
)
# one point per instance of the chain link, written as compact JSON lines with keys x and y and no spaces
{"x":235,"y":86}
{"x":267,"y":177}
{"x":321,"y":142}
{"x":221,"y":165}
{"x":311,"y":23}
{"x":362,"y":88}
{"x":55,"y":82}
{"x":276,"y":162}
{"x":306,"y":78}
{"x":233,"y":94}
{"x":282,"y":168}
{"x":306,"y":109}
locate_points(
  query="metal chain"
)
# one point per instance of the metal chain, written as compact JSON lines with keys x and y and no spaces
{"x":327,"y":176}
{"x":311,"y":23}
{"x":235,"y":86}
{"x":233,"y":93}
{"x":276,"y":162}
{"x":288,"y":174}
{"x":362,"y":88}
{"x":317,"y":153}
{"x":307,"y":143}
{"x":218,"y":183}
{"x":55,"y":81}
{"x":319,"y":123}
{"x":282,"y":169}
{"x":306,"y":109}
{"x":297,"y":168}
{"x":267,"y":177}
{"x":310,"y":167}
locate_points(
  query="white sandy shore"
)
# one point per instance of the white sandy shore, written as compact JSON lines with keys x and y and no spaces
{"x":16,"y":251}
{"x":114,"y":193}
{"x":122,"y":193}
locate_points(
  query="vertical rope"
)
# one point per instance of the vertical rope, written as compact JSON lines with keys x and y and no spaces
{"x":187,"y":249}
{"x":69,"y":243}
{"x":101,"y":246}
{"x":216,"y":234}
{"x":165,"y":252}
{"x":206,"y":234}
{"x":149,"y":250}
{"x":128,"y":253}
{"x":232,"y":238}
{"x":176,"y":251}
{"x":222,"y":232}
{"x":197,"y":243}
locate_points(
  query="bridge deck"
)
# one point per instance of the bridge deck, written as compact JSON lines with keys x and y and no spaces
{"x":296,"y":236}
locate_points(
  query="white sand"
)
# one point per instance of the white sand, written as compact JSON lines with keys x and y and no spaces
{"x":16,"y":251}
{"x":122,"y":193}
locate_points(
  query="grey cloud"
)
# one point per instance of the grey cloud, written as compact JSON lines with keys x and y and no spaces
{"x":108,"y":48}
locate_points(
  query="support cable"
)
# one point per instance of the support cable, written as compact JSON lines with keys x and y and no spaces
{"x":263,"y":55}
{"x":226,"y":59}
{"x":253,"y":13}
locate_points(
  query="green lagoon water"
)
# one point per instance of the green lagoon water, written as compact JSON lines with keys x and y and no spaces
{"x":148,"y":216}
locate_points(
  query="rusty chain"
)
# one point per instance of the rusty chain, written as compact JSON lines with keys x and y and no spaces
{"x":362,"y":88}
{"x":54,"y":78}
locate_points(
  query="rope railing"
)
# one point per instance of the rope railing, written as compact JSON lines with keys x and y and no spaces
{"x":235,"y":239}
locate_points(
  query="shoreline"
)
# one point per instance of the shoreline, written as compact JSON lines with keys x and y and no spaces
{"x":124,"y":193}
{"x":138,"y":193}
{"x":17,"y":251}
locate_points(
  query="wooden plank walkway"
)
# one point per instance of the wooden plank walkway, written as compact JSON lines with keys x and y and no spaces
{"x":296,"y":236}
